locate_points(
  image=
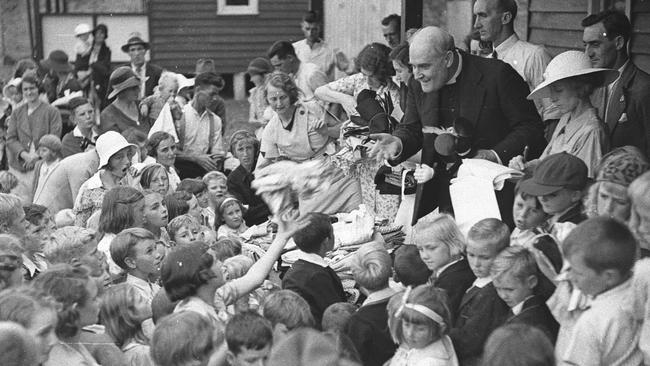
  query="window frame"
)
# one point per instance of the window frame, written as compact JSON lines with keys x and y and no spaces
{"x":251,"y":9}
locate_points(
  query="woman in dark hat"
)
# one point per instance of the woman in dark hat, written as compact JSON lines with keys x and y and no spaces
{"x":123,"y":112}
{"x":95,"y":66}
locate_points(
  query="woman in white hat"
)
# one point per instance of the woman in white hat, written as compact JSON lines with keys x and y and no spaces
{"x":569,"y":80}
{"x":115,"y":154}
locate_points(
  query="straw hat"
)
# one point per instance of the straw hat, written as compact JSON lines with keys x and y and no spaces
{"x":82,"y":28}
{"x":568,"y":64}
{"x":121,"y":79}
{"x":134,"y":41}
{"x":108,"y":144}
{"x":57,"y":61}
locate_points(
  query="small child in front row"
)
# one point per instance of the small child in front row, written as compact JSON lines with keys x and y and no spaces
{"x":601,"y":253}
{"x":515,"y":277}
{"x":230,"y":217}
{"x":310,"y":276}
{"x":481,"y":309}
{"x":123,"y":310}
{"x":420,"y":326}
{"x":249,"y":337}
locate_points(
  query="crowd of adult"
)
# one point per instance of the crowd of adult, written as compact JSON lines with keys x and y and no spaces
{"x":127,"y":219}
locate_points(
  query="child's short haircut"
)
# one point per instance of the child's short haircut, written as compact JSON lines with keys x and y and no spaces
{"x":518,"y":344}
{"x":441,"y":228}
{"x":180,"y":221}
{"x":288,"y":308}
{"x":491,"y":230}
{"x":410,"y":270}
{"x":226,"y":248}
{"x":193,"y":186}
{"x":8,"y":181}
{"x":603,"y":243}
{"x":34,"y":213}
{"x":185,"y":269}
{"x":336,"y":316}
{"x":123,"y":244}
{"x":10,"y":208}
{"x":182,"y":338}
{"x":177,"y":204}
{"x":307,"y":347}
{"x":310,"y":238}
{"x":68,"y":244}
{"x":214,"y":175}
{"x":237,"y":266}
{"x":517,"y":261}
{"x":434,"y":299}
{"x":248,"y":330}
{"x":371,"y":266}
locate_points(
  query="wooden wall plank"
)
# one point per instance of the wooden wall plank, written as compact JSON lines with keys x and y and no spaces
{"x":556,"y":38}
{"x":548,"y":20}
{"x":569,"y":6}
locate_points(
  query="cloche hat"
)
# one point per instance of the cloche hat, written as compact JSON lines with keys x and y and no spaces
{"x":108,"y":144}
{"x":568,"y":64}
{"x":121,"y":79}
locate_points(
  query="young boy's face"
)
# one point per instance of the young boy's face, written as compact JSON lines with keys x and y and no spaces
{"x":249,"y":357}
{"x":586,"y":279}
{"x":217,"y":189}
{"x":434,"y":254}
{"x":526,"y":213}
{"x":480,"y":255}
{"x":187,"y":234}
{"x":203,"y":199}
{"x":146,"y":258}
{"x":513,"y":290}
{"x":46,"y":153}
{"x":558,"y":202}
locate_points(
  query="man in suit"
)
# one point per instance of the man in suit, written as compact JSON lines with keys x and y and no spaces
{"x":148,"y":73}
{"x":622,"y":105}
{"x":61,"y":186}
{"x":448,"y":84}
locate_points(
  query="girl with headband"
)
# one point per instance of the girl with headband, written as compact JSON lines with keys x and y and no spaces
{"x":420,"y":324}
{"x":230,"y":217}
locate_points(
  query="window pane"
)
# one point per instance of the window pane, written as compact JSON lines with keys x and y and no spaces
{"x":237,"y":2}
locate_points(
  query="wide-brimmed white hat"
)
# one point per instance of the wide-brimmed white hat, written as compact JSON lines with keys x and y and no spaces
{"x":108,"y":144}
{"x":568,"y":64}
{"x":82,"y":28}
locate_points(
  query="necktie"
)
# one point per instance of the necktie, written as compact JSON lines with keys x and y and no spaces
{"x":495,"y":55}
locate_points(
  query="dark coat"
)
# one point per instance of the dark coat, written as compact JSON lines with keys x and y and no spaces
{"x":535,"y":313}
{"x":455,"y":280}
{"x":492,"y":96}
{"x":630,"y":97}
{"x":481,"y":311}
{"x":319,"y":286}
{"x":101,"y":69}
{"x":575,"y":214}
{"x":153,"y":73}
{"x":368,"y":330}
{"x":239,"y":185}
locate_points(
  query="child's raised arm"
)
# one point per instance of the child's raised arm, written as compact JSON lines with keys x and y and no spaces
{"x":256,"y":275}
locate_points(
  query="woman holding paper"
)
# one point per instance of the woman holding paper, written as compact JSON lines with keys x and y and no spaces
{"x":299,"y":132}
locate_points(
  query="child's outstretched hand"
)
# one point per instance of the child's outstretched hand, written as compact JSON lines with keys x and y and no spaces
{"x":423,"y":173}
{"x":517,"y":163}
{"x":289,"y":222}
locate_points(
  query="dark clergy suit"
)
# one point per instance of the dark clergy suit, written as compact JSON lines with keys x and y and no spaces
{"x":319,"y":286}
{"x":368,"y":330}
{"x":481,"y":312}
{"x":455,"y":280}
{"x":492,"y":96}
{"x":535,"y":313}
{"x":239,"y":185}
{"x":628,"y":111}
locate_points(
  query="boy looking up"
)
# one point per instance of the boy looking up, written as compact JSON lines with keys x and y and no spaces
{"x":310,"y":276}
{"x":601,"y":253}
{"x":481,"y":310}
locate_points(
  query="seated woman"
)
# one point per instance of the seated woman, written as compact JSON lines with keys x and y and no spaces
{"x":298,"y":132}
{"x":123,"y":112}
{"x":115,"y":155}
{"x":162,"y":147}
{"x":246,"y":147}
{"x":375,"y":75}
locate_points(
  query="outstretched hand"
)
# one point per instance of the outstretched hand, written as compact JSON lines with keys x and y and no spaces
{"x":290,"y":222}
{"x":387,"y":146}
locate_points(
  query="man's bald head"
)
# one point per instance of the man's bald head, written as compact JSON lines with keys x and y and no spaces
{"x":431,"y":55}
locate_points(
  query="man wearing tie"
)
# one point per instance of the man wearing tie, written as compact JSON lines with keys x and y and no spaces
{"x":148,"y":73}
{"x":623,"y":105}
